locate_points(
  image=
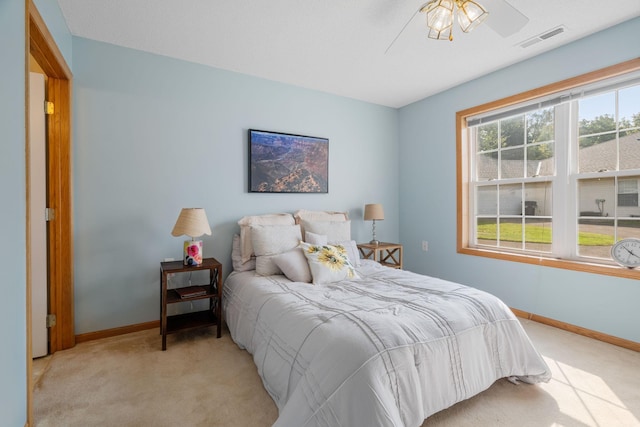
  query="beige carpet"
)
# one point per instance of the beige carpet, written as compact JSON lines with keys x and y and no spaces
{"x":204,"y":381}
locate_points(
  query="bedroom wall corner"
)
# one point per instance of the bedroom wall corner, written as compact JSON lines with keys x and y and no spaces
{"x":428,"y":194}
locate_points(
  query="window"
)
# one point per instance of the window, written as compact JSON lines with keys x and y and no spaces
{"x":553,"y":178}
{"x":628,"y":193}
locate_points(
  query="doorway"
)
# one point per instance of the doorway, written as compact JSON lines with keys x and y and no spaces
{"x":58,"y":192}
{"x":37,"y":209}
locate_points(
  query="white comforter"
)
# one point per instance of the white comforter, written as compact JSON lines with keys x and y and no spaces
{"x":389,"y":349}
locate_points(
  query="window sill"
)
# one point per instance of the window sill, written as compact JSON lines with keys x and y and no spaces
{"x":608,"y":270}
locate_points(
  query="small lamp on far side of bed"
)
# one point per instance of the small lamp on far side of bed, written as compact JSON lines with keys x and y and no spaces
{"x":192,"y":222}
{"x":373,"y":212}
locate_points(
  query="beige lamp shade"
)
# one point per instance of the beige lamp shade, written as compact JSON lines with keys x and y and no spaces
{"x":373,"y":212}
{"x":192,"y":222}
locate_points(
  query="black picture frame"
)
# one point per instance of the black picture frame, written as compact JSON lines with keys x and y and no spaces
{"x":287,"y":163}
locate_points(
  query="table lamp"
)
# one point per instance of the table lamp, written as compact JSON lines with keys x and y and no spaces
{"x":373,"y":212}
{"x":193,"y":223}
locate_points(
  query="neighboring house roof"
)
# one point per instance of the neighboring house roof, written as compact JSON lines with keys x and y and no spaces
{"x":594,"y":158}
{"x":603,"y":156}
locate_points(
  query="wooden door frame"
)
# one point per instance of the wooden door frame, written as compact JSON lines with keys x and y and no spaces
{"x":41,"y":45}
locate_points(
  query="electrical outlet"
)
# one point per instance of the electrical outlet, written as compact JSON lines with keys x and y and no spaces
{"x":425,"y":246}
{"x":169,"y":259}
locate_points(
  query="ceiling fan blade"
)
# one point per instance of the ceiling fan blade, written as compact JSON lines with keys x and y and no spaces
{"x":402,"y":30}
{"x":503,"y":18}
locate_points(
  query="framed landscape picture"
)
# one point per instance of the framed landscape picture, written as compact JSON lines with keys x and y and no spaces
{"x":286,"y":163}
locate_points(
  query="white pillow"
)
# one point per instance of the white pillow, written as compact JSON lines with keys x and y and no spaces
{"x":328,"y":263}
{"x":315,"y":239}
{"x":336,"y":231}
{"x":294,"y":265}
{"x":350,"y":245}
{"x":236,"y":257}
{"x":245,"y":223}
{"x":352,"y":251}
{"x":271,"y":240}
{"x":318,"y":216}
{"x":306,"y":215}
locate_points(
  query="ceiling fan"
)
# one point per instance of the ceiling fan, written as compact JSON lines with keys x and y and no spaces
{"x":499,"y":15}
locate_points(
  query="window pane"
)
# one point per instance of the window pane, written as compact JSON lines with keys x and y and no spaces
{"x":537,"y":199}
{"x":629,"y":107}
{"x":597,"y":114}
{"x":598,"y":154}
{"x":628,"y":197}
{"x":488,"y":137}
{"x":487,"y":166}
{"x":487,"y":200}
{"x":628,"y":228}
{"x":626,"y":200}
{"x":511,"y":199}
{"x":486,"y":231}
{"x":540,"y":126}
{"x":538,"y":234}
{"x":595,"y":237}
{"x":630,"y":149}
{"x":540,"y":160}
{"x":510,"y":233}
{"x":512,"y":131}
{"x":627,"y":185}
{"x":512,"y":163}
{"x":596,"y":197}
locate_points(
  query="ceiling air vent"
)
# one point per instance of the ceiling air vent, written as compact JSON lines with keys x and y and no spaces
{"x":544,"y":36}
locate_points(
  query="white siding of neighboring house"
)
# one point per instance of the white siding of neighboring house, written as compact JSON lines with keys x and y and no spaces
{"x":598,"y":157}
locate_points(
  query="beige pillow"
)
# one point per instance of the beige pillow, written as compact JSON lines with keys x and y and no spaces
{"x":303,"y":214}
{"x":236,"y":257}
{"x":271,"y":240}
{"x":336,"y":231}
{"x":318,"y":216}
{"x":246,"y":246}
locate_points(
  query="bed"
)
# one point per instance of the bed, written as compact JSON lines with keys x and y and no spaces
{"x":377,"y":347}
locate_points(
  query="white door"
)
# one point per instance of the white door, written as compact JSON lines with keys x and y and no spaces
{"x":37,"y":205}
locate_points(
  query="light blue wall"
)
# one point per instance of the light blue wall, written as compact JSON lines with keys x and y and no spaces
{"x":52,"y":15}
{"x":141,"y":122}
{"x":428,"y":194}
{"x":13,"y":304}
{"x":153,"y":135}
{"x":13,"y":355}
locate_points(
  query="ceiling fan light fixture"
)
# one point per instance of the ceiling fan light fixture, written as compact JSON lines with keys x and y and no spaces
{"x":441,"y":35}
{"x":470,"y":15}
{"x":439,"y":14}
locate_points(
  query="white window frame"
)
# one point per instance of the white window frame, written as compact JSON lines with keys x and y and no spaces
{"x":562,"y":182}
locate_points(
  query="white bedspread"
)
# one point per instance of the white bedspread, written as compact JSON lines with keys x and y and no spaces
{"x":389,"y":349}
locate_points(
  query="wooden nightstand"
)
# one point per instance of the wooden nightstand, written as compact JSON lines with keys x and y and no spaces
{"x":387,"y":254}
{"x":211,"y":291}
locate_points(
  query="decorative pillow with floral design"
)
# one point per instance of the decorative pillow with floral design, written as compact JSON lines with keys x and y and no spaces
{"x":328,"y":263}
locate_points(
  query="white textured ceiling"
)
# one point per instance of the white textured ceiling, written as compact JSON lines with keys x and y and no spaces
{"x":335,"y":46}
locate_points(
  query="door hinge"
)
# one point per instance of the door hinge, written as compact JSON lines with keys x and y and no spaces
{"x":51,"y":320}
{"x":49,"y":214}
{"x":48,"y":107}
